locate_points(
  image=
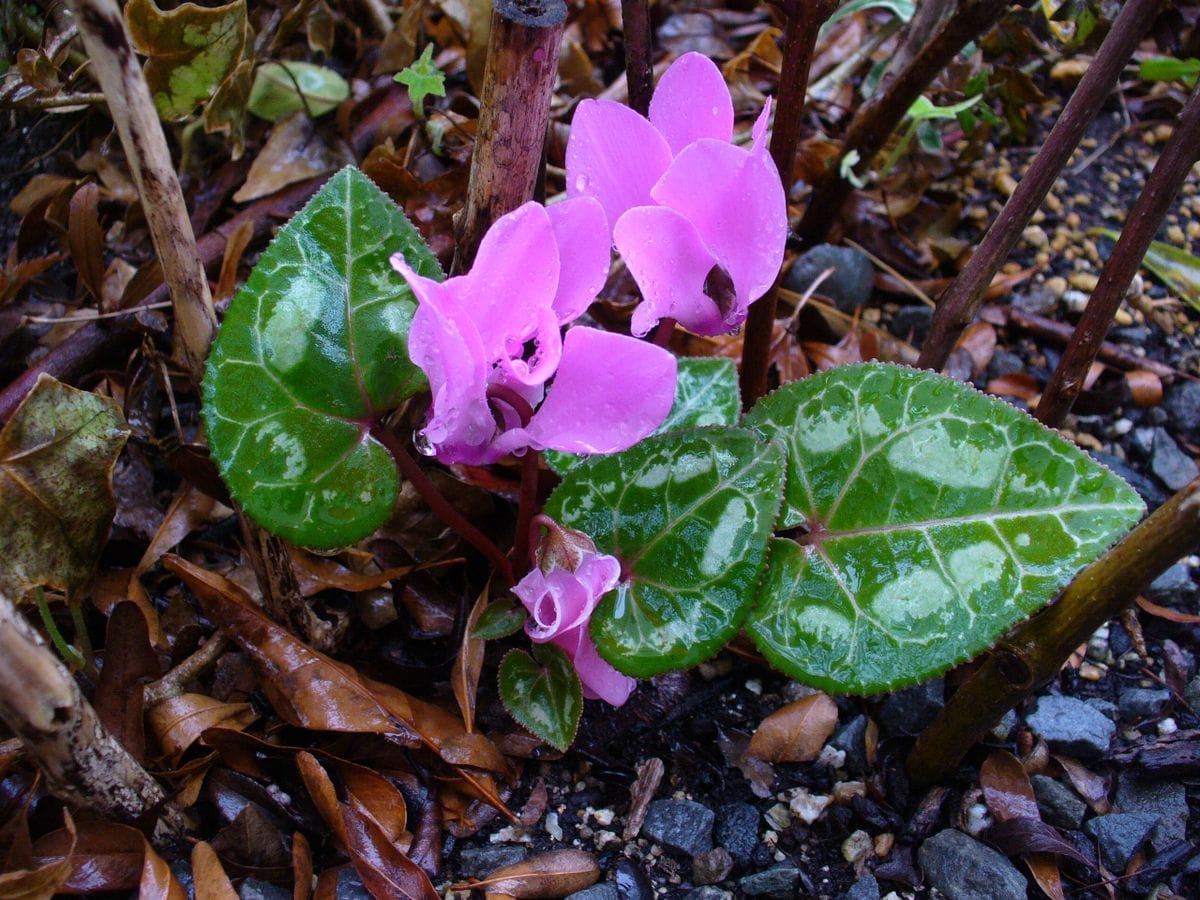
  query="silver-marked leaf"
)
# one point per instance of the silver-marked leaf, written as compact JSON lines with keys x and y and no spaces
{"x":543,"y":693}
{"x":313,"y":351}
{"x":929,"y":518}
{"x":688,"y":513}
{"x":706,"y":393}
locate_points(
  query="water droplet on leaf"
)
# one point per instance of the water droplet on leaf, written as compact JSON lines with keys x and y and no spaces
{"x":422,"y":444}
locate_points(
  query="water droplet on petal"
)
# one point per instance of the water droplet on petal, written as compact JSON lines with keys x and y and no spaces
{"x":423,"y":445}
{"x":581,"y":182}
{"x":715,"y":111}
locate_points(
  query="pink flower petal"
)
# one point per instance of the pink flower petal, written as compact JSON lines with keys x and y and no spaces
{"x":614,"y":155}
{"x":557,"y":603}
{"x":670,"y":262}
{"x":741,"y":214}
{"x":514,"y":279}
{"x":759,"y":132}
{"x":443,"y":341}
{"x":600,"y":680}
{"x":692,"y":102}
{"x":547,"y":352}
{"x":611,"y":391}
{"x":585,"y":254}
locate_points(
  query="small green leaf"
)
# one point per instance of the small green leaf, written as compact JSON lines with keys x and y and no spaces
{"x":423,"y":78}
{"x":191,"y":50}
{"x":312,"y":353}
{"x":57,"y":453}
{"x":1177,"y":269}
{"x":933,"y":519}
{"x":1164,"y":68}
{"x":923,"y":109}
{"x":543,"y":693}
{"x":706,"y":393}
{"x":281,"y":89}
{"x":688,"y":513}
{"x":500,"y":619}
{"x":901,"y":9}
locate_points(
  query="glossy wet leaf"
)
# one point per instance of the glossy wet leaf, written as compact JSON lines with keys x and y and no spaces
{"x":1166,"y":68}
{"x":558,"y":873}
{"x":313,"y":350}
{"x":706,"y":393}
{"x":501,"y":618}
{"x":190,"y":49}
{"x":936,"y":518}
{"x":543,"y":693}
{"x":282,"y":88}
{"x":796,"y":732}
{"x":1177,"y":269}
{"x":57,"y":454}
{"x":688,"y":513}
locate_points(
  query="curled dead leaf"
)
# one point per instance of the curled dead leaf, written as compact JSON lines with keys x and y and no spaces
{"x":554,"y":874}
{"x":796,"y":732}
{"x":178,"y":722}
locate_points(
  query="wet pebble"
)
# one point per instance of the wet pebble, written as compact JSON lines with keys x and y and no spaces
{"x":632,"y":883}
{"x":479,"y":862}
{"x":963,"y":868}
{"x":907,"y":712}
{"x":851,"y":739}
{"x":711,"y":867}
{"x":1119,"y":835}
{"x":1182,"y":405}
{"x":866,"y":888}
{"x":848,"y":287}
{"x":777,"y":881}
{"x":1059,"y":805}
{"x":682,"y":825}
{"x":1071,"y":726}
{"x":1175,"y":585}
{"x":737,"y":831}
{"x":911,"y":323}
{"x":1167,"y":800}
{"x":605,"y":890}
{"x":1142,"y":703}
{"x":1169,"y":463}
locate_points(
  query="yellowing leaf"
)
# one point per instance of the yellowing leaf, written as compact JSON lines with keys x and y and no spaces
{"x":191,"y":50}
{"x":56,"y":502}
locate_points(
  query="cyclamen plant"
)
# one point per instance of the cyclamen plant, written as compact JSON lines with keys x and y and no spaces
{"x":868,"y":527}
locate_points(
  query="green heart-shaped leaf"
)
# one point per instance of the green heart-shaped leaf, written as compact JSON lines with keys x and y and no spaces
{"x":499,"y":619}
{"x":543,"y":693}
{"x":706,"y":393}
{"x":313,"y":351}
{"x":281,"y":89}
{"x":934,"y":518}
{"x":688,"y":513}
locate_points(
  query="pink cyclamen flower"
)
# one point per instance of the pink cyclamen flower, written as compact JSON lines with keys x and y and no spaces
{"x":561,"y":594}
{"x":536,"y":270}
{"x":700,"y":223}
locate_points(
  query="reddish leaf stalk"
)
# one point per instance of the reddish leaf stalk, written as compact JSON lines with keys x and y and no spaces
{"x":529,"y":475}
{"x":1034,"y":651}
{"x":804,"y":20}
{"x":957,"y":306}
{"x":878,"y":118}
{"x":416,"y":476}
{"x":639,"y":69}
{"x":1148,"y":212}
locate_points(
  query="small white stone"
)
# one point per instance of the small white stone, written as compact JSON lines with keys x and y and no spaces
{"x":808,"y":807}
{"x":978,"y":819}
{"x":778,"y":816}
{"x":858,"y":845}
{"x":1167,"y":726}
{"x":832,"y":757}
{"x":754,"y":686}
{"x":552,"y":827}
{"x":604,"y":838}
{"x":603,"y":816}
{"x":780,"y":856}
{"x":512,"y":834}
{"x":845,"y":790}
{"x":1122,"y":426}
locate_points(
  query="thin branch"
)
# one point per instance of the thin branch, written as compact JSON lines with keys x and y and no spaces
{"x":957,"y":306}
{"x":1151,"y":207}
{"x":1034,"y":652}
{"x":171,"y":684}
{"x":639,"y":74}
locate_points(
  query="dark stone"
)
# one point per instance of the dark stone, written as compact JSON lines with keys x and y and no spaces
{"x":707,"y":892}
{"x":1141,"y":443}
{"x":907,"y":712}
{"x":682,"y":825}
{"x":1137,"y":335}
{"x":1119,"y":835}
{"x":632,"y":883}
{"x":1191,"y":693}
{"x":866,"y":888}
{"x":1005,"y":726}
{"x":1169,"y":463}
{"x":1147,"y":488}
{"x":1165,"y":799}
{"x":182,"y":870}
{"x":253,"y":889}
{"x":961,"y":867}
{"x":1058,"y":804}
{"x":1182,"y":406}
{"x":1039,"y":300}
{"x":605,"y":890}
{"x":1004,"y":363}
{"x":1107,"y":707}
{"x":911,"y":323}
{"x":479,"y":862}
{"x":777,"y":881}
{"x":1072,"y":727}
{"x":850,"y":284}
{"x":737,"y":831}
{"x":711,"y":867}
{"x":1175,"y":585}
{"x":350,"y":886}
{"x":852,"y":739}
{"x":1119,"y":641}
{"x":1142,"y":703}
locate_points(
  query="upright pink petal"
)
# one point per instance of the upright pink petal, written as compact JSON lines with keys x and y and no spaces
{"x":611,"y":391}
{"x":741,"y":214}
{"x":692,"y":102}
{"x":600,"y":680}
{"x":514,"y":278}
{"x":584,"y":252}
{"x":442,"y":340}
{"x":614,"y":155}
{"x":759,"y":132}
{"x":547,"y":352}
{"x":557,"y":603}
{"x":670,"y":262}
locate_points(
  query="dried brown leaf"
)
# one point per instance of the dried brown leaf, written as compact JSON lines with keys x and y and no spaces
{"x":979,"y":340}
{"x":553,"y":874}
{"x":796,"y":732}
{"x":384,"y":870}
{"x":129,"y":662}
{"x":85,"y":238}
{"x":178,"y":722}
{"x":294,"y":152}
{"x":302,"y":867}
{"x":1091,"y":787}
{"x":1165,"y":612}
{"x":468,"y":664}
{"x":1021,"y":385}
{"x":103,"y":856}
{"x":1145,"y":387}
{"x":46,"y":880}
{"x":235,"y":248}
{"x":1045,"y":871}
{"x":209,"y":875}
{"x":1007,"y":788}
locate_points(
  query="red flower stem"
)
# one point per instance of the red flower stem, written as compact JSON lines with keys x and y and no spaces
{"x":529,"y":475}
{"x":662,"y":334}
{"x":1148,"y":212}
{"x":416,"y":476}
{"x":804,"y":20}
{"x":958,"y":304}
{"x":635,"y":19}
{"x":512,"y":399}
